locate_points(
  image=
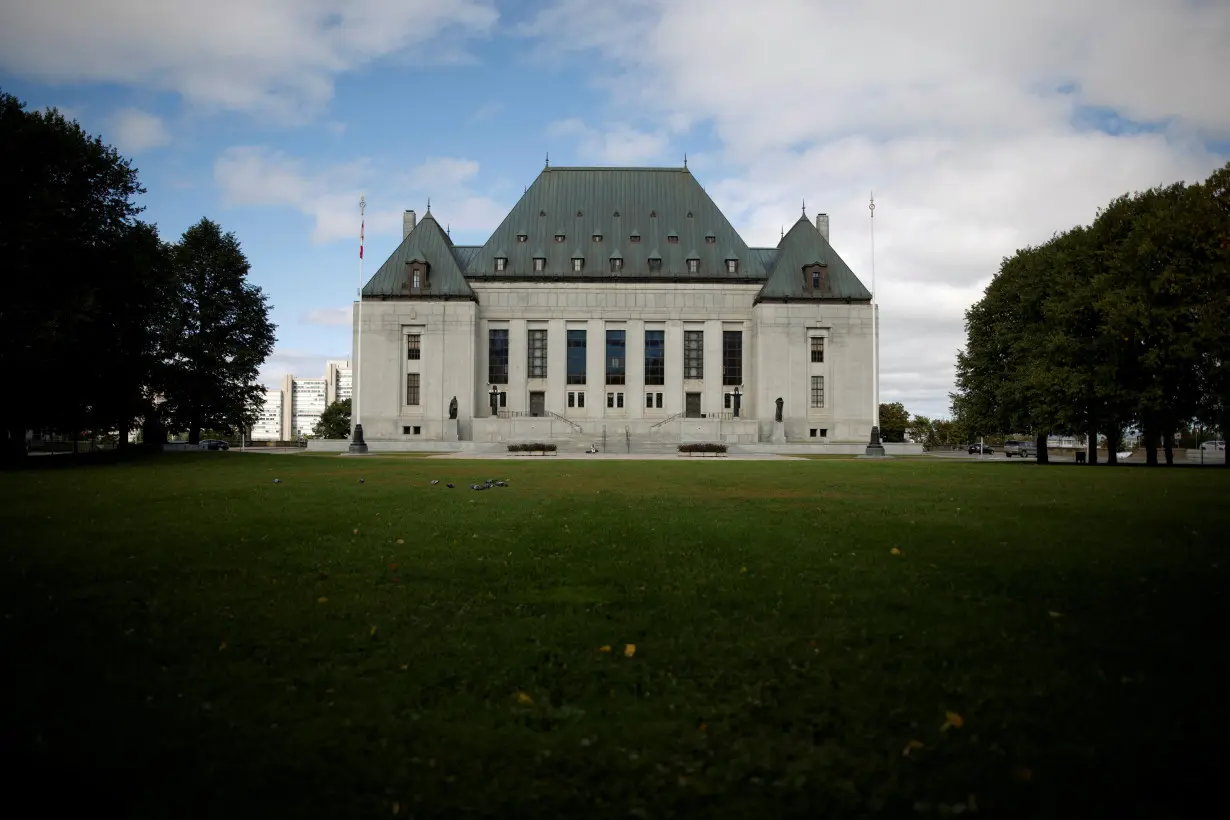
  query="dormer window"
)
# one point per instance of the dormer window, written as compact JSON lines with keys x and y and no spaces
{"x":500,"y":263}
{"x":523,"y":238}
{"x":559,"y":238}
{"x":416,"y":281}
{"x":815,"y":280}
{"x":710,"y":239}
{"x":540,"y":264}
{"x":693,"y":265}
{"x":578,"y":264}
{"x":732,"y":265}
{"x":817,"y":276}
{"x":617,"y":264}
{"x":655,"y":264}
{"x":416,"y":276}
{"x":597,"y":237}
{"x":672,"y":238}
{"x":634,"y":237}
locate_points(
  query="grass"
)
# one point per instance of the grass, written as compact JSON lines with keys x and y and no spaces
{"x":184,"y":637}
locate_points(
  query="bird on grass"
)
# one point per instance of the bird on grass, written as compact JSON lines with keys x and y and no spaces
{"x":277,"y":481}
{"x":360,"y":481}
{"x":435,"y":481}
{"x":450,"y":486}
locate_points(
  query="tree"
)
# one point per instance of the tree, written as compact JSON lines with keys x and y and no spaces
{"x":216,"y":337}
{"x":894,"y":421}
{"x":72,"y":253}
{"x":334,"y":421}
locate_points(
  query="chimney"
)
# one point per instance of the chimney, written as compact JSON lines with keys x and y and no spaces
{"x":822,"y":225}
{"x":407,"y":223}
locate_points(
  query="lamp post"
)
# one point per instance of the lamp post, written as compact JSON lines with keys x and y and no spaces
{"x":495,"y":400}
{"x":874,"y":448}
{"x":738,"y":400}
{"x":357,"y":444}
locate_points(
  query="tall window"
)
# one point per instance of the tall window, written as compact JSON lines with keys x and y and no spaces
{"x":412,"y":347}
{"x":655,"y":357}
{"x":497,"y":356}
{"x":540,"y":264}
{"x":732,"y":357}
{"x":538,"y":354}
{"x":578,"y":264}
{"x":693,"y":354}
{"x":732,"y":266}
{"x":412,"y":389}
{"x":817,"y":391}
{"x":817,"y":348}
{"x":616,"y":346}
{"x":576,"y":357}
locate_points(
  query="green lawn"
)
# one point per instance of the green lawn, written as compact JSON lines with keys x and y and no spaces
{"x":183,"y":637}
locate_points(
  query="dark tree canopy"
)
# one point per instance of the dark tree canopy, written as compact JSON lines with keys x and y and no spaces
{"x":217,"y":335}
{"x":894,"y":421}
{"x":334,"y":421}
{"x":1121,"y":324}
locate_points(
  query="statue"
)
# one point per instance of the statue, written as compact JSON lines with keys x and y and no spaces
{"x":452,"y":408}
{"x":779,"y":409}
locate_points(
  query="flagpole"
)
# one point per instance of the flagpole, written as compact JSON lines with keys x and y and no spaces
{"x":357,"y":444}
{"x":874,"y":448}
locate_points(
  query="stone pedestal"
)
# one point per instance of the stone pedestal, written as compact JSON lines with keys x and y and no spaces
{"x":779,"y":432}
{"x":450,"y":430}
{"x":874,"y":448}
{"x":357,"y":445}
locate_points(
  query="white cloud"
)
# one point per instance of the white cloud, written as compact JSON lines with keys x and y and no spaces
{"x":330,"y":196}
{"x":133,"y":131}
{"x":958,"y":114}
{"x":329,"y":317}
{"x":617,"y":145}
{"x":277,"y":57}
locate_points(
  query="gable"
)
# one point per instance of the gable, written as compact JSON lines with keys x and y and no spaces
{"x":429,"y":252}
{"x":806,"y":268}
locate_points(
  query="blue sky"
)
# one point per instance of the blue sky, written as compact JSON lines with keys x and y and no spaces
{"x":981,"y":129}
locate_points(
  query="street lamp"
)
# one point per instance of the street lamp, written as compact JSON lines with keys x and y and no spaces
{"x":495,"y":399}
{"x":738,"y":399}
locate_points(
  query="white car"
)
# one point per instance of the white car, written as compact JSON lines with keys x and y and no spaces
{"x":1213,"y":445}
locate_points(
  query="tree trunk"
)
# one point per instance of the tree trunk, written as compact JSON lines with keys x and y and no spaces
{"x":1044,"y":457}
{"x":1092,"y":445}
{"x":1150,"y":431}
{"x":1113,"y":439}
{"x":194,"y":428}
{"x":1168,"y":444}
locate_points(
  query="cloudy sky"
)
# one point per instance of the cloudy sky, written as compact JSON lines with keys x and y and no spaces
{"x":982,"y":127}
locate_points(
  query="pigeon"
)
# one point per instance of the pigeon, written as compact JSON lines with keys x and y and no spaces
{"x":450,"y":486}
{"x":478,"y":486}
{"x":435,"y":481}
{"x":360,"y":481}
{"x":277,"y":481}
{"x":501,"y":483}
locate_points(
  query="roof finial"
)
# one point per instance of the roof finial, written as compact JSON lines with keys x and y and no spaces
{"x":804,"y":207}
{"x":783,"y":231}
{"x":448,"y":228}
{"x":428,"y":204}
{"x":685,"y":160}
{"x":548,"y":159}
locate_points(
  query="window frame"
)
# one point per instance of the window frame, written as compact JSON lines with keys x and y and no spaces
{"x":536,"y":353}
{"x":693,"y":355}
{"x":572,"y":335}
{"x":655,"y":366}
{"x":414,"y":347}
{"x":414,"y":390}
{"x":497,"y":355}
{"x":728,"y":378}
{"x":616,"y":356}
{"x":816,"y":392}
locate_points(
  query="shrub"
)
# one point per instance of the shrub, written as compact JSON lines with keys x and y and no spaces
{"x":531,"y":447}
{"x":703,"y":447}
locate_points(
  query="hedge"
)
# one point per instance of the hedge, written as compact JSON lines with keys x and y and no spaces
{"x":533,"y":447}
{"x":702,"y":447}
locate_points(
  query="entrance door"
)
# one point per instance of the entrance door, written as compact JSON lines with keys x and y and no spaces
{"x":691,"y":406}
{"x":538,"y":403}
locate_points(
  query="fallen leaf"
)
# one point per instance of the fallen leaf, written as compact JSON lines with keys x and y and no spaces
{"x":372,"y":632}
{"x":606,"y":648}
{"x":356,"y":532}
{"x":524,"y":699}
{"x":401,"y":540}
{"x":322,"y":600}
{"x":704,"y":726}
{"x":396,"y":808}
{"x":629,"y":650}
{"x":911,"y":746}
{"x":222,"y":646}
{"x":743,"y":570}
{"x":972,"y":802}
{"x":1055,"y":614}
{"x":405,"y":666}
{"x":952,"y":721}
{"x":896,"y":551}
{"x":393,"y":567}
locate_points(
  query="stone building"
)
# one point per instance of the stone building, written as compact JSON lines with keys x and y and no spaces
{"x":616,"y":301}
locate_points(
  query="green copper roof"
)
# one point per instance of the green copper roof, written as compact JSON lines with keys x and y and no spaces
{"x":581,"y":202}
{"x":653,"y":204}
{"x":801,"y":246}
{"x":426,"y":243}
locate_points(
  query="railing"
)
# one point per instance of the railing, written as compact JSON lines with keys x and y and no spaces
{"x":566,"y":420}
{"x":666,"y":420}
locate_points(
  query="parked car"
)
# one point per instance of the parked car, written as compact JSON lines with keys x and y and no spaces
{"x":984,"y":449}
{"x":1024,"y":449}
{"x":214,"y":444}
{"x":1213,"y":445}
